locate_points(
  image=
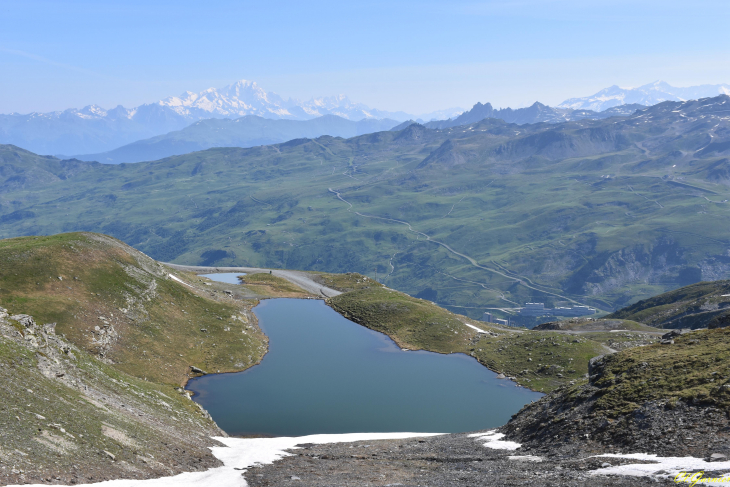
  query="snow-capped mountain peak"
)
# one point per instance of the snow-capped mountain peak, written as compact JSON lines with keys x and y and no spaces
{"x":649,"y":94}
{"x":241,"y":98}
{"x":246,"y":97}
{"x":93,"y":129}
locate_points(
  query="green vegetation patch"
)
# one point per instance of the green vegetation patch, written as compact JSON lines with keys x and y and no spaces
{"x":539,"y":360}
{"x":590,"y":324}
{"x":413,"y":323}
{"x":695,"y":369}
{"x":349,"y":281}
{"x":269,"y":285}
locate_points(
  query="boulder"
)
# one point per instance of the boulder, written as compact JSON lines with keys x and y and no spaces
{"x":674,"y":333}
{"x":25,"y":320}
{"x":595,"y":364}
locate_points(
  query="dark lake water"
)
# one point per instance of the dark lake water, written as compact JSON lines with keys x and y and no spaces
{"x":326,"y":374}
{"x":227,"y":277}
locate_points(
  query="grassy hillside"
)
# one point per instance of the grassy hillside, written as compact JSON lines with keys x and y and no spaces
{"x":697,"y":306}
{"x":600,"y":212}
{"x":121,"y":305}
{"x":671,"y":399}
{"x":95,"y":340}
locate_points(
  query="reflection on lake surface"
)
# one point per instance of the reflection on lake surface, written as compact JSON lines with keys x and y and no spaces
{"x":326,"y":374}
{"x":227,"y":277}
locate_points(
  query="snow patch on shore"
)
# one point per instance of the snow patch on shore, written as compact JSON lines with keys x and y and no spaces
{"x":664,"y":468}
{"x":494,"y":440}
{"x":240,"y":454}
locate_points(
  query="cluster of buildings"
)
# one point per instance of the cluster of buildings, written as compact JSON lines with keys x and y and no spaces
{"x":488,"y":317}
{"x":539,"y":309}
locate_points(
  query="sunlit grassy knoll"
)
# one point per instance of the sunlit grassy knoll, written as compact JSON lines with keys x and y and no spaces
{"x":117,"y":303}
{"x":349,"y":281}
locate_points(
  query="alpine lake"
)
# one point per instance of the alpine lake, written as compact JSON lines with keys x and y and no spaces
{"x":326,"y":374}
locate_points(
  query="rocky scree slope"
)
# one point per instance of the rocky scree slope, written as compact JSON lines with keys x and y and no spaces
{"x":672,"y":399}
{"x":68,"y":417}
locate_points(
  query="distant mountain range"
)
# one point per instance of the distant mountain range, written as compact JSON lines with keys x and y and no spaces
{"x":253,"y":130}
{"x":650,"y":94}
{"x":601,"y":212}
{"x":103,"y":134}
{"x":248,"y":131}
{"x":533,"y":114}
{"x":247,"y":98}
{"x":93,"y":129}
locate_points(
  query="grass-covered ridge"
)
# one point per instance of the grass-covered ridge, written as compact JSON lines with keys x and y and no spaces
{"x":591,"y":324}
{"x":694,"y":369}
{"x":540,"y":360}
{"x":117,"y":303}
{"x":349,"y":281}
{"x":694,"y":306}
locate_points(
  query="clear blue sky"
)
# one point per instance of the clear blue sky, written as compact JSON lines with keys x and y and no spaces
{"x":415,"y":56}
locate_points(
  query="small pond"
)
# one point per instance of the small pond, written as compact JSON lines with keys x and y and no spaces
{"x":227,"y":277}
{"x":326,"y":374}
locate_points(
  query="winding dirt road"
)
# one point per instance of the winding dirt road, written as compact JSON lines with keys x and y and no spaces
{"x":519,"y":280}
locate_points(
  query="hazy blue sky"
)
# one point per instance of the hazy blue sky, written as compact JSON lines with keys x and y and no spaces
{"x":415,"y":56}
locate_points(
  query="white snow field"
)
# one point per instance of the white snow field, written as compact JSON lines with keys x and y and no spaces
{"x":241,"y":454}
